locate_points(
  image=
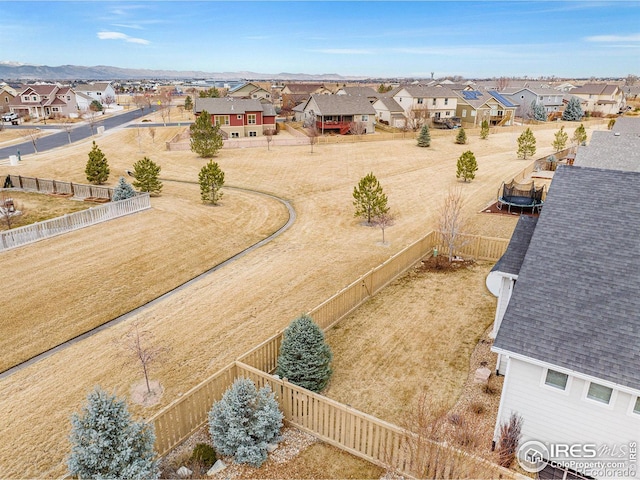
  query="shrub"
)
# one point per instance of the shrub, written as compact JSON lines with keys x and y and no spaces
{"x":477,"y":408}
{"x":204,"y":454}
{"x":424,"y":139}
{"x":107,"y":443}
{"x":510,"y":433}
{"x":122,"y":191}
{"x":244,"y":422}
{"x":461,"y":138}
{"x":305,"y":358}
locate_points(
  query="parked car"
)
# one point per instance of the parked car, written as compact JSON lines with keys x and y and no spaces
{"x":7,"y":117}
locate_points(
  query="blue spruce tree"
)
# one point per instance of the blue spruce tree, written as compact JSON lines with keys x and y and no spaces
{"x":305,"y":358}
{"x":573,"y":111}
{"x":107,"y":443}
{"x":123,"y":191}
{"x":244,"y":422}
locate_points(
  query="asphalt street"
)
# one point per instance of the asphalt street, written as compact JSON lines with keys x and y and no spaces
{"x":61,"y":138}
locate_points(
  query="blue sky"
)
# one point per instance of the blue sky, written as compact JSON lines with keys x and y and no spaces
{"x":370,"y":38}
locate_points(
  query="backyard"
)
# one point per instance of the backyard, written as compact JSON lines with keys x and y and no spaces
{"x":100,"y":272}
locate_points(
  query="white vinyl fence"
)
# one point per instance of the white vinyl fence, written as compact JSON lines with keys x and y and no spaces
{"x":67,"y":223}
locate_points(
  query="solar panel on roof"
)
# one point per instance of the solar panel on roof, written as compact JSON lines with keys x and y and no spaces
{"x":471,"y":94}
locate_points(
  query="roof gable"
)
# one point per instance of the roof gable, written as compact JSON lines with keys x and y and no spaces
{"x":342,"y":105}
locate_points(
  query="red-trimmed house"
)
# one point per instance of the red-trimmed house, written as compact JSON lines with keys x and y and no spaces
{"x":238,"y":117}
{"x":44,"y":101}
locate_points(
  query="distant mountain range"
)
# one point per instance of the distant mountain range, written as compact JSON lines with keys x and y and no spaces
{"x":17,"y":71}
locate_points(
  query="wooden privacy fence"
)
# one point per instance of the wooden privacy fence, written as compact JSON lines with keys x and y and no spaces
{"x":73,"y":221}
{"x":180,"y":419}
{"x":77,"y":190}
{"x":368,"y":437}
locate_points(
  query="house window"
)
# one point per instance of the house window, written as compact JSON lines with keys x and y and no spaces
{"x":446,"y":101}
{"x":599,"y":393}
{"x":239,"y":117}
{"x":447,"y":113}
{"x":365,"y":118}
{"x":433,"y":102}
{"x":251,"y":119}
{"x":556,"y":379}
{"x":98,"y":93}
{"x":420,"y":100}
{"x":253,"y":134}
{"x":464,"y":113}
{"x":34,"y":98}
{"x":636,"y":406}
{"x":222,"y":120}
{"x":235,"y":135}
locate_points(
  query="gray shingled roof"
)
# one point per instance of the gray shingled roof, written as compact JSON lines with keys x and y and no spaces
{"x":511,"y":260}
{"x":391,"y":104}
{"x":611,"y":151}
{"x":577,"y":300}
{"x":343,"y":105}
{"x":230,"y":106}
{"x":627,"y":125}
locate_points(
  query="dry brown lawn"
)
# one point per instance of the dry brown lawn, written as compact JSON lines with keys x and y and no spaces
{"x":36,"y":207}
{"x":221,"y":316}
{"x":413,"y":338}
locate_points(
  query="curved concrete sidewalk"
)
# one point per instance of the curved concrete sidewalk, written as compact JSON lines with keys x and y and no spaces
{"x":164,"y":296}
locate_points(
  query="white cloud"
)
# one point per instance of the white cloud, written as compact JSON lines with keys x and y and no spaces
{"x":635,"y":37}
{"x":121,"y":36}
{"x":344,"y":51}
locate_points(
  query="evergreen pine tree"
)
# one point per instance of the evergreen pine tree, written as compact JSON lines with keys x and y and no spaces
{"x":579,"y":135}
{"x":107,"y":443}
{"x":484,"y":130}
{"x":467,"y":166}
{"x":560,"y":139}
{"x":461,"y":138}
{"x":305,"y":357}
{"x":146,"y":173}
{"x":211,"y":180}
{"x":424,"y":139}
{"x":369,"y":199}
{"x":97,"y":168}
{"x":244,"y":422}
{"x":122,"y":191}
{"x":188,"y":104}
{"x":206,"y":138}
{"x":526,"y":144}
{"x":538,"y":112}
{"x":573,"y":111}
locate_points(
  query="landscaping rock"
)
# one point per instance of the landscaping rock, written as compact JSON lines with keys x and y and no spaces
{"x":184,"y":472}
{"x":217,"y":467}
{"x":272,"y":447}
{"x":482,"y":375}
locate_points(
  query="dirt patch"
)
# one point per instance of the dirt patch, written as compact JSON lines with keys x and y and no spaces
{"x":141,"y":395}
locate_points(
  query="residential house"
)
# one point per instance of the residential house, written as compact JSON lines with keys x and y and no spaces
{"x":251,"y":91}
{"x":569,"y":338}
{"x":298,"y":93}
{"x":549,"y":98}
{"x":103,"y":92}
{"x":431,"y":102}
{"x":368,"y":92}
{"x":7,"y":94}
{"x":44,"y":101}
{"x":340,"y":114}
{"x":389,"y":112}
{"x":238,"y":117}
{"x":602,"y":98}
{"x":474,"y":106}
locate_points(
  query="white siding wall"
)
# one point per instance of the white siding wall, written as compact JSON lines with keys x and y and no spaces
{"x":555,"y":416}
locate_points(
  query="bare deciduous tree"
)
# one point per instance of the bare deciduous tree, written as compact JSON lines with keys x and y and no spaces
{"x":451,"y":221}
{"x":502,"y":83}
{"x":357,"y":128}
{"x":32,"y":134}
{"x":152,"y":134}
{"x":140,"y":343}
{"x":109,"y":100}
{"x":313,"y":133}
{"x":67,"y":126}
{"x":416,"y":117}
{"x":268,"y":134}
{"x":9,"y":210}
{"x":384,"y":220}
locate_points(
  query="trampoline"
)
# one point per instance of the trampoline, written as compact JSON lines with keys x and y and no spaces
{"x":520,"y":195}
